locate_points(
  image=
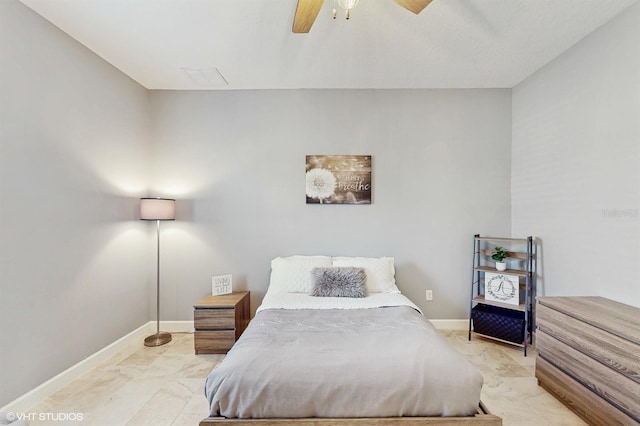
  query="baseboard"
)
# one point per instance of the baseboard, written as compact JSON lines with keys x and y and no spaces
{"x":23,"y":403}
{"x":450,"y":324}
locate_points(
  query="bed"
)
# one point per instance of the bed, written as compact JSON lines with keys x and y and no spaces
{"x":334,"y":342}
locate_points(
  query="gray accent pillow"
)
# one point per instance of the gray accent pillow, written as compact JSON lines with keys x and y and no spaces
{"x":339,"y":282}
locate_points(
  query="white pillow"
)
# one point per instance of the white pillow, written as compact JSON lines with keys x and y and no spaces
{"x":380,"y":272}
{"x":293,"y":274}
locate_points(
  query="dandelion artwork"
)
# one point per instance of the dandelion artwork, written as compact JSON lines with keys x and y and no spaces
{"x":321,"y":184}
{"x":338,"y":179}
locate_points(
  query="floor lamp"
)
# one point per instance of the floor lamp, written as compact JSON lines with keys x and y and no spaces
{"x":157,"y":209}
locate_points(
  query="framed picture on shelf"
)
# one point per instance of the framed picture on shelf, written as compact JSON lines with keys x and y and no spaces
{"x":502,"y":288}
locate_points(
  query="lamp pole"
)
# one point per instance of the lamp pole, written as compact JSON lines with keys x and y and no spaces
{"x":157,"y":209}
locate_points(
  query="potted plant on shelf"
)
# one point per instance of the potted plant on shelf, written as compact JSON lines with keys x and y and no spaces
{"x":499,"y":256}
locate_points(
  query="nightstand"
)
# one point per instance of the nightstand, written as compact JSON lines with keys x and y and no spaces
{"x":219,"y":321}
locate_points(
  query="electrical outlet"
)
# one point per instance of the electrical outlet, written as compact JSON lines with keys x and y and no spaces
{"x":429,"y":295}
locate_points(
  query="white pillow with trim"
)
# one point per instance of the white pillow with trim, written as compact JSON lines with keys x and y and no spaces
{"x":380,"y":272}
{"x":292,"y":274}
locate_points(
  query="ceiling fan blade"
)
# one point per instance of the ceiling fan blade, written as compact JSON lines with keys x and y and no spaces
{"x":414,"y":6}
{"x":306,"y":13}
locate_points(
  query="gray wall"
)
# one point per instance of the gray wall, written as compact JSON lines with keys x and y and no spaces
{"x":74,"y":147}
{"x":576,"y":164}
{"x":235,"y":161}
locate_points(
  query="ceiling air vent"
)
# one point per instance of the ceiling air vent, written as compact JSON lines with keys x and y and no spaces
{"x":206,"y":76}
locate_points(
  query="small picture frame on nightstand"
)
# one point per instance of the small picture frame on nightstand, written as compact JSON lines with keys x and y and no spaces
{"x":221,"y":284}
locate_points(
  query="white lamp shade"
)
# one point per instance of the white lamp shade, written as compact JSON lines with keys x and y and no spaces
{"x":157,"y":209}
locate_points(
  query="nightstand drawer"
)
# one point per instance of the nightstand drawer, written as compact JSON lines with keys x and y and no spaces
{"x":214,"y":319}
{"x":219,"y":321}
{"x":214,"y":342}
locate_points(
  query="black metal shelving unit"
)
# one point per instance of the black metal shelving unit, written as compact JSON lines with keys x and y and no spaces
{"x":505,"y":322}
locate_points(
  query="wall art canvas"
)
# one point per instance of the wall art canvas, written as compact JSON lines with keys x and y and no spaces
{"x":338,"y":179}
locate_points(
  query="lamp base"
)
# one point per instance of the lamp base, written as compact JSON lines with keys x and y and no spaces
{"x":157,"y":339}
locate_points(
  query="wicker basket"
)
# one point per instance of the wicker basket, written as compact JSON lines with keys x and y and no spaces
{"x":500,"y":323}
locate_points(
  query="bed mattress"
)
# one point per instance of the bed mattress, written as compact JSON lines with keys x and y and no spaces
{"x":383,"y":360}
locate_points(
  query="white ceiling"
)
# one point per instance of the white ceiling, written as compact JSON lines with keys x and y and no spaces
{"x":451,"y":44}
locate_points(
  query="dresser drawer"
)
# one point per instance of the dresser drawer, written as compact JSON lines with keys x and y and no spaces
{"x":619,"y":354}
{"x":214,"y":342}
{"x":589,"y":357}
{"x":215,"y":319}
{"x":579,"y":398}
{"x":617,"y":389}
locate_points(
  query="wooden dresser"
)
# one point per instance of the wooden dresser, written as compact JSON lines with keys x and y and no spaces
{"x":219,"y":321}
{"x":589,"y":357}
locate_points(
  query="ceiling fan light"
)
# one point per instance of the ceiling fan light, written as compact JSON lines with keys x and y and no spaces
{"x":348,"y":4}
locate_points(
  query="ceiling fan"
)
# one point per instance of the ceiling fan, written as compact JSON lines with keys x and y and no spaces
{"x":307,"y":10}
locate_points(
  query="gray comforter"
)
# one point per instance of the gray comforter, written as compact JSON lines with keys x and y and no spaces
{"x":379,"y":362}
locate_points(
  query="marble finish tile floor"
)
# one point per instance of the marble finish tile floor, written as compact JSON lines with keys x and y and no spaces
{"x":164,"y":386}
